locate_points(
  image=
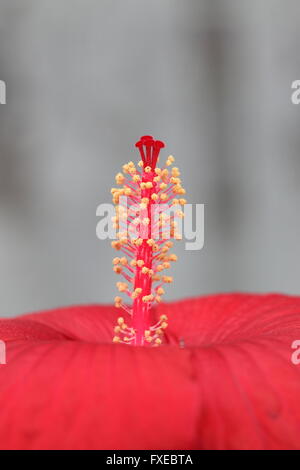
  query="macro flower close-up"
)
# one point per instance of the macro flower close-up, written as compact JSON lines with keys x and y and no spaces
{"x":149,"y":229}
{"x":209,"y":372}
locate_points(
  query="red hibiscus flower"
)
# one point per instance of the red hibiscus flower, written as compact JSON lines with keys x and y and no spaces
{"x":223,"y":379}
{"x":218,"y":375}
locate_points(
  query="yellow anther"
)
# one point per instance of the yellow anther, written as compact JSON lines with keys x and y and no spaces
{"x":150,"y":242}
{"x":127,"y":191}
{"x":136,"y":292}
{"x":117,"y":329}
{"x":147,"y":333}
{"x":147,"y":298}
{"x":132,"y":171}
{"x":116,"y":245}
{"x":164,"y":325}
{"x":169,"y":244}
{"x":140,"y":263}
{"x":167,"y":279}
{"x":147,"y":169}
{"x":143,"y":206}
{"x":138,"y":241}
{"x":166,"y":265}
{"x":145,"y":270}
{"x":116,"y":339}
{"x":182,"y":202}
{"x":154,"y":197}
{"x":149,"y":185}
{"x":122,"y":286}
{"x":171,"y":158}
{"x":136,"y":178}
{"x":143,"y":185}
{"x":116,"y":198}
{"x":120,"y":321}
{"x":177,"y":189}
{"x":159,"y":331}
{"x":141,"y":163}
{"x":163,"y":197}
{"x":160,"y":291}
{"x":174,"y":180}
{"x":163,"y":186}
{"x":117,"y":269}
{"x":173,"y":257}
{"x":116,"y":261}
{"x":175,"y":202}
{"x":120,"y":178}
{"x":180,"y":214}
{"x":146,"y":221}
{"x":150,"y":272}
{"x":175,"y":172}
{"x":145,"y":200}
{"x":149,"y":339}
{"x":158,"y":298}
{"x":156,"y":179}
{"x":155,"y":247}
{"x":158,"y":341}
{"x":157,"y":171}
{"x":163,"y":318}
{"x":123,"y":261}
{"x":159,"y":267}
{"x":133,"y":262}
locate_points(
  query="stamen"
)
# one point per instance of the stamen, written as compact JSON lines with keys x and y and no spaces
{"x":145,"y":257}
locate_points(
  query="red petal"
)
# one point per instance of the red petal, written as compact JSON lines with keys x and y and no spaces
{"x":248,"y":387}
{"x":91,"y":323}
{"x":233,"y":385}
{"x":59,"y":393}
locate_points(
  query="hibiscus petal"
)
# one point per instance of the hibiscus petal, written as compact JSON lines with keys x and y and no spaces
{"x":224,"y":380}
{"x":91,"y":323}
{"x":248,"y":386}
{"x":65,"y":393}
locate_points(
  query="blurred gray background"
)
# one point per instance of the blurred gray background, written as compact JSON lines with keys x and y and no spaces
{"x":86,"y":78}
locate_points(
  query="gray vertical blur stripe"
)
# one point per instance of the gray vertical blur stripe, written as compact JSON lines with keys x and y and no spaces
{"x":86,"y":78}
